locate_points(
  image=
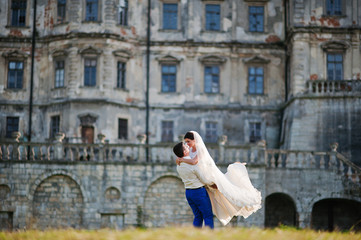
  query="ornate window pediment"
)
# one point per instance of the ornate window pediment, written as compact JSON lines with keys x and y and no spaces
{"x":15,"y":54}
{"x":335,"y":46}
{"x":125,"y":54}
{"x":90,"y":51}
{"x":87,"y":119}
{"x":59,"y":53}
{"x":257,"y":1}
{"x":212,"y":59}
{"x":256,"y":60}
{"x":168,"y":59}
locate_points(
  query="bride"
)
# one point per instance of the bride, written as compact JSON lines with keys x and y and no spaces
{"x":234,"y":194}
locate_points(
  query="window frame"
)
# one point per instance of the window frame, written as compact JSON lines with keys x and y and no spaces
{"x":251,"y":130}
{"x":177,"y":15}
{"x":10,"y":15}
{"x":248,"y":79}
{"x":334,"y":70}
{"x":56,"y":60}
{"x":121,"y":131}
{"x":219,"y":79}
{"x":57,"y":119}
{"x":123,"y":20}
{"x":215,"y":3}
{"x":98,"y":14}
{"x":8,"y":74}
{"x":174,"y":81}
{"x":333,"y":14}
{"x":7,"y":133}
{"x":167,"y":132}
{"x":211,"y":134}
{"x":91,"y":59}
{"x":123,"y":75}
{"x":63,"y":18}
{"x":263,"y":18}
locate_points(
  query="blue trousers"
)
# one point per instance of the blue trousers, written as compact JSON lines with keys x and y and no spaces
{"x":200,"y":203}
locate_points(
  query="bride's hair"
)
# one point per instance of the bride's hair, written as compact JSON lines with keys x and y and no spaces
{"x":189,"y":135}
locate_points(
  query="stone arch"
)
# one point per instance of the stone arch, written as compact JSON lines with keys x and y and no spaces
{"x":280,"y":209}
{"x":4,"y":192}
{"x":57,"y":203}
{"x":165,"y":203}
{"x":336,"y":214}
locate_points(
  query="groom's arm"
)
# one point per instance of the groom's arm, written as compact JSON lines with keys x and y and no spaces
{"x":192,"y":161}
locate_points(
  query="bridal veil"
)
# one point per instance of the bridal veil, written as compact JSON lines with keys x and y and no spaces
{"x":235,"y":195}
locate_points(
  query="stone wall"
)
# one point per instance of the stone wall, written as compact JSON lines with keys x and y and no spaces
{"x":118,"y":195}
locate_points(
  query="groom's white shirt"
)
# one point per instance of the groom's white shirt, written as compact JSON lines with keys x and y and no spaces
{"x":191,"y":176}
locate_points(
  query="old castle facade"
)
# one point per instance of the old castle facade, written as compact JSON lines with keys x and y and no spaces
{"x":287,"y":72}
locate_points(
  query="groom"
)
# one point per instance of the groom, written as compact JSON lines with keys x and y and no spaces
{"x":196,"y":193}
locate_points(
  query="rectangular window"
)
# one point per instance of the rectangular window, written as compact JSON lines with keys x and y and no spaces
{"x":211,"y":132}
{"x":54,"y":126}
{"x":333,"y":7}
{"x":213,"y":17}
{"x":211,"y":79}
{"x":122,"y":128}
{"x":12,"y":125}
{"x":90,"y":72}
{"x":61,"y":11}
{"x":256,"y":18}
{"x":18,"y":13}
{"x":334,"y":67}
{"x":15,"y":75}
{"x":170,"y":16}
{"x":121,"y":75}
{"x":59,"y":74}
{"x":255,"y":132}
{"x":255,"y":80}
{"x":123,"y":12}
{"x":169,"y":75}
{"x":91,"y":13}
{"x":167,"y":131}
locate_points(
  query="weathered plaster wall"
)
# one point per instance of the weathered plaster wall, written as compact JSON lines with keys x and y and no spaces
{"x":328,"y":120}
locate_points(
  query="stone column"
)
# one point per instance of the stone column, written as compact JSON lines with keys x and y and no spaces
{"x":259,"y":153}
{"x":222,"y":140}
{"x":101,"y":139}
{"x":59,"y":148}
{"x":16,"y":151}
{"x":333,"y":162}
{"x":141,"y":147}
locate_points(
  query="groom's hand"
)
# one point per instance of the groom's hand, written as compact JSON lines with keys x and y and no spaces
{"x":214,"y":186}
{"x":178,"y":161}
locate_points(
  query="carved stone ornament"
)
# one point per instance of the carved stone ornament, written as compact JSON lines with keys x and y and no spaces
{"x":90,"y":50}
{"x":15,"y":54}
{"x":212,"y":59}
{"x":168,"y":59}
{"x":87,"y":120}
{"x":256,"y":60}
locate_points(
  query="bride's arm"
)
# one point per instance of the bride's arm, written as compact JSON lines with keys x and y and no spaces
{"x":192,"y":161}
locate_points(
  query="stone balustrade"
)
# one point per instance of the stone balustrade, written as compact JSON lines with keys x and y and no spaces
{"x":322,"y":87}
{"x":223,"y":154}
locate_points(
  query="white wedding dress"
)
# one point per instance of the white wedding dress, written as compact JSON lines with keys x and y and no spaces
{"x":235,"y":195}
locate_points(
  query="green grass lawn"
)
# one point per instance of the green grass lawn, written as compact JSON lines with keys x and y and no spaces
{"x":182,"y":233}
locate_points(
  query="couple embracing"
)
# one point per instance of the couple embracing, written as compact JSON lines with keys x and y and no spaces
{"x":208,"y":190}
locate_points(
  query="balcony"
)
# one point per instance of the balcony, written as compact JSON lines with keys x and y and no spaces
{"x":255,"y":155}
{"x":333,"y":88}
